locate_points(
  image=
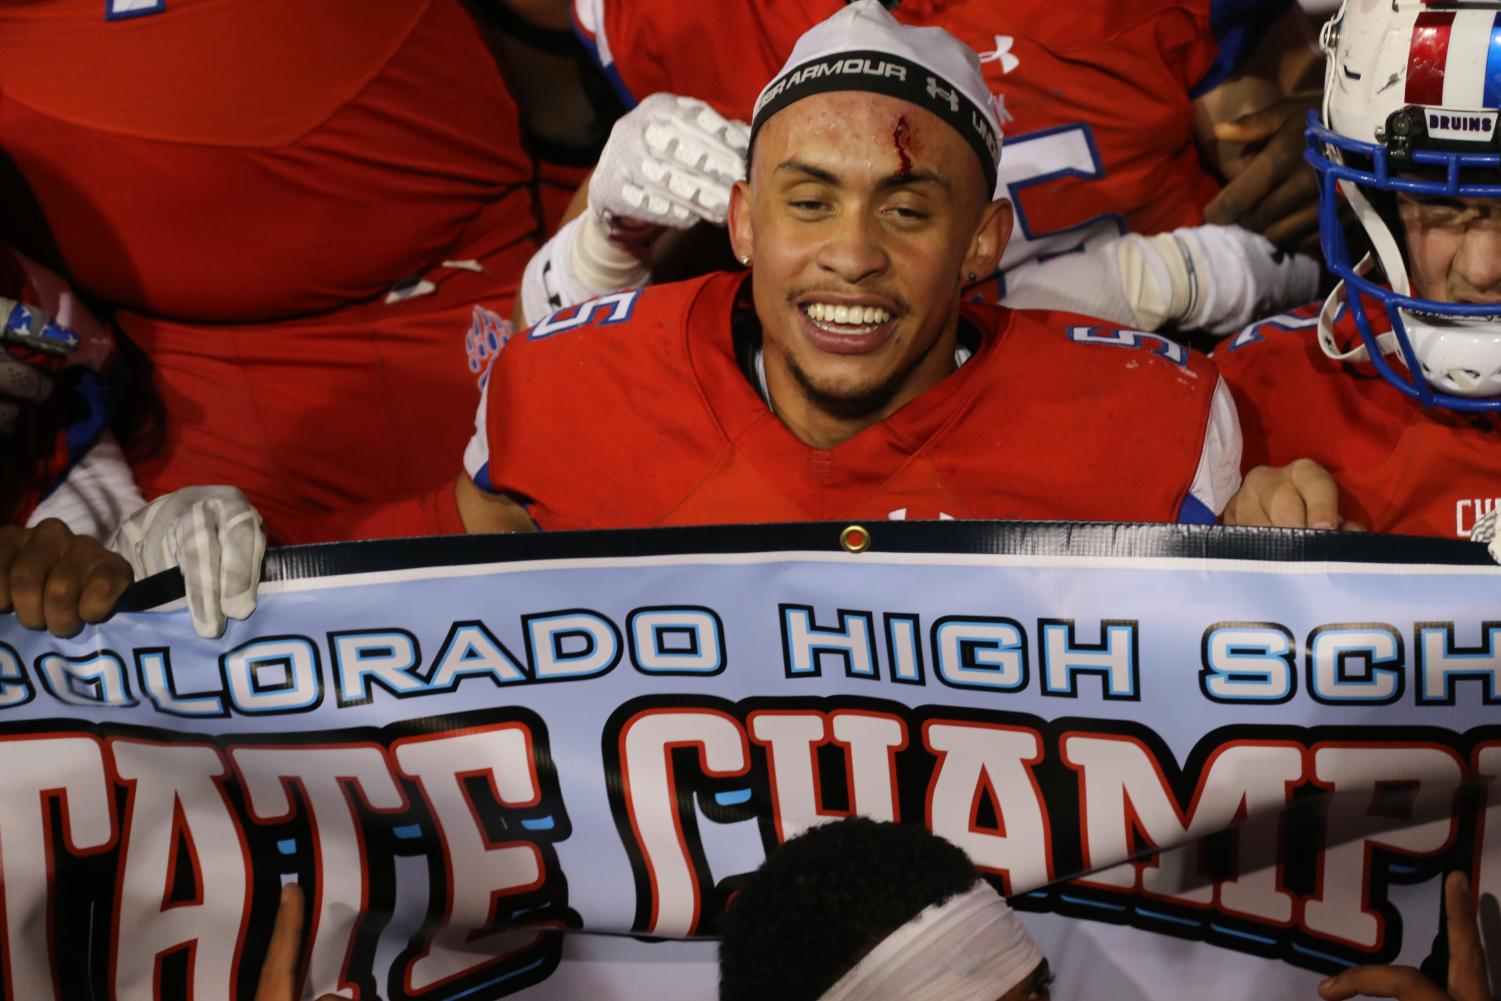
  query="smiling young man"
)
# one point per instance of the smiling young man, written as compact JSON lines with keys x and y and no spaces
{"x":842,"y":377}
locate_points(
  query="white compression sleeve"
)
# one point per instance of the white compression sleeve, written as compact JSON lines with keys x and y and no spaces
{"x":1218,"y":475}
{"x":579,"y":263}
{"x":98,"y":493}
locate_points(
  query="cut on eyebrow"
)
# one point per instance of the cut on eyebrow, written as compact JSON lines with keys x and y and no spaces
{"x":884,"y":184}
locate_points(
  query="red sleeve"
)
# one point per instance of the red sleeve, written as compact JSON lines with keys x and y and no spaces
{"x":722,"y":52}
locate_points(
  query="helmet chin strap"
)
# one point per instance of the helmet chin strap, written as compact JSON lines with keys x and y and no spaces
{"x":1338,"y":299}
{"x":1390,"y":255}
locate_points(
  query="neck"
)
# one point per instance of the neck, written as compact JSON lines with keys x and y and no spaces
{"x":818,"y":424}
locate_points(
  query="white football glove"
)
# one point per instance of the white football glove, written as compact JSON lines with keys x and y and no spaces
{"x":214,"y":536}
{"x":1215,"y":279}
{"x":670,"y":161}
{"x":1485,"y":531}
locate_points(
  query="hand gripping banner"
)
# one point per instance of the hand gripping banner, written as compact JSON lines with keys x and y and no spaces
{"x":1233,"y":759}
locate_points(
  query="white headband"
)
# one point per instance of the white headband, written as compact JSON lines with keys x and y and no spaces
{"x":972,"y":947}
{"x":863,"y":48}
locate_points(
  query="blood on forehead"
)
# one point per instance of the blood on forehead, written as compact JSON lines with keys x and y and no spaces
{"x":904,"y":138}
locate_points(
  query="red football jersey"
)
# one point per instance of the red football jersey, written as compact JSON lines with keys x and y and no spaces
{"x":1046,"y":420}
{"x":1096,"y":98}
{"x":1400,"y":467}
{"x":215,"y":160}
{"x":246,"y":181}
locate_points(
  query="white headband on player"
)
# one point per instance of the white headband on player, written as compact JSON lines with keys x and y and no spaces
{"x":971,"y":947}
{"x":864,"y":48}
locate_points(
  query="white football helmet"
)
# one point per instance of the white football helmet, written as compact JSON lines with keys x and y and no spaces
{"x":1412,"y":96}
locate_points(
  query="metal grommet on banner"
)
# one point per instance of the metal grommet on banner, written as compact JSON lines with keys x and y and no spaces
{"x":854,"y":539}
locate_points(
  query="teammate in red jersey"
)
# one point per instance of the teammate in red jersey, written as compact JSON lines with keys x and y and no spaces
{"x":1395,"y":385}
{"x":1097,"y":99}
{"x":247,"y":182}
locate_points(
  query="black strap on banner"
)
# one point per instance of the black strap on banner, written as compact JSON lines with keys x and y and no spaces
{"x":1011,"y":538}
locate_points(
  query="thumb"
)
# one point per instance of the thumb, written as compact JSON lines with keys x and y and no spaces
{"x":1251,"y":127}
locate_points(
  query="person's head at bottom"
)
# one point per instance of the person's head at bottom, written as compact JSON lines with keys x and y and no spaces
{"x":858,"y":910}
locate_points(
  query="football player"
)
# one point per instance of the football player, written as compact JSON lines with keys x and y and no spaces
{"x":1394,"y":384}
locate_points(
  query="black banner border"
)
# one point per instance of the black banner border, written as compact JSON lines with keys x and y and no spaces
{"x":1121,"y":540}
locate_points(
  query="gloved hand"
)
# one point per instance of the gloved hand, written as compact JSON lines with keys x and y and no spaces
{"x":33,"y":347}
{"x":214,"y":536}
{"x":669,"y":162}
{"x":31,"y":343}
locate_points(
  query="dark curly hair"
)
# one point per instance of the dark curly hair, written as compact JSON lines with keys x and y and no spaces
{"x":823,"y":900}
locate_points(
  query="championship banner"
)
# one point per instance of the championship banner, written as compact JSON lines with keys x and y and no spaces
{"x":539,"y":766}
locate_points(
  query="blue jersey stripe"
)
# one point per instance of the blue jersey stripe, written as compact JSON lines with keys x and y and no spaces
{"x":1195,"y":512}
{"x":1493,"y":66}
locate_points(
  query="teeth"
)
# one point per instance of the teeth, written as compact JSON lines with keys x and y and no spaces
{"x":857,"y":316}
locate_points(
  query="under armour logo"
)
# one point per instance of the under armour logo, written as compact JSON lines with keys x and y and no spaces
{"x":1002,"y":54}
{"x":937,"y":92}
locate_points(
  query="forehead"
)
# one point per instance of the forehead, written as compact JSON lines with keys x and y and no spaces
{"x":850,"y":133}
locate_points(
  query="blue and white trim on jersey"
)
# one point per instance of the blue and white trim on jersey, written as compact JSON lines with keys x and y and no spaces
{"x":1218,"y":476}
{"x":589,"y":25}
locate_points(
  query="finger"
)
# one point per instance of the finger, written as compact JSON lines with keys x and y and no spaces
{"x":279,"y":971}
{"x":1285,"y":508}
{"x":1349,"y":525}
{"x":1295,"y":229}
{"x":1266,"y":171}
{"x":1467,"y":973}
{"x":197,"y":534}
{"x":11,"y":538}
{"x":1254,"y":126}
{"x":242,"y":545}
{"x":1296,"y":193}
{"x":1244,"y":191}
{"x":38,"y":554}
{"x":1402,"y":982}
{"x":1320,"y":496}
{"x":1245,"y":508}
{"x":20,"y":381}
{"x":107,"y":579}
{"x":62,"y":601}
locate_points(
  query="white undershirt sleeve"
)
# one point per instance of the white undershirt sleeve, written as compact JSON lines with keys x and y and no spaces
{"x":1218,"y":476}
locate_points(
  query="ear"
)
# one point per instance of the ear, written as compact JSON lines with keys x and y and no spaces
{"x":989,"y":241}
{"x":742,"y":232}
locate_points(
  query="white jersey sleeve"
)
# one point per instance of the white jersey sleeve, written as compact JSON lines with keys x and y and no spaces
{"x":1218,"y":475}
{"x":477,"y":452}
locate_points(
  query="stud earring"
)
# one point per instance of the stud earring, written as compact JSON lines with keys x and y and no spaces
{"x":972,"y":276}
{"x":745,"y":259}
